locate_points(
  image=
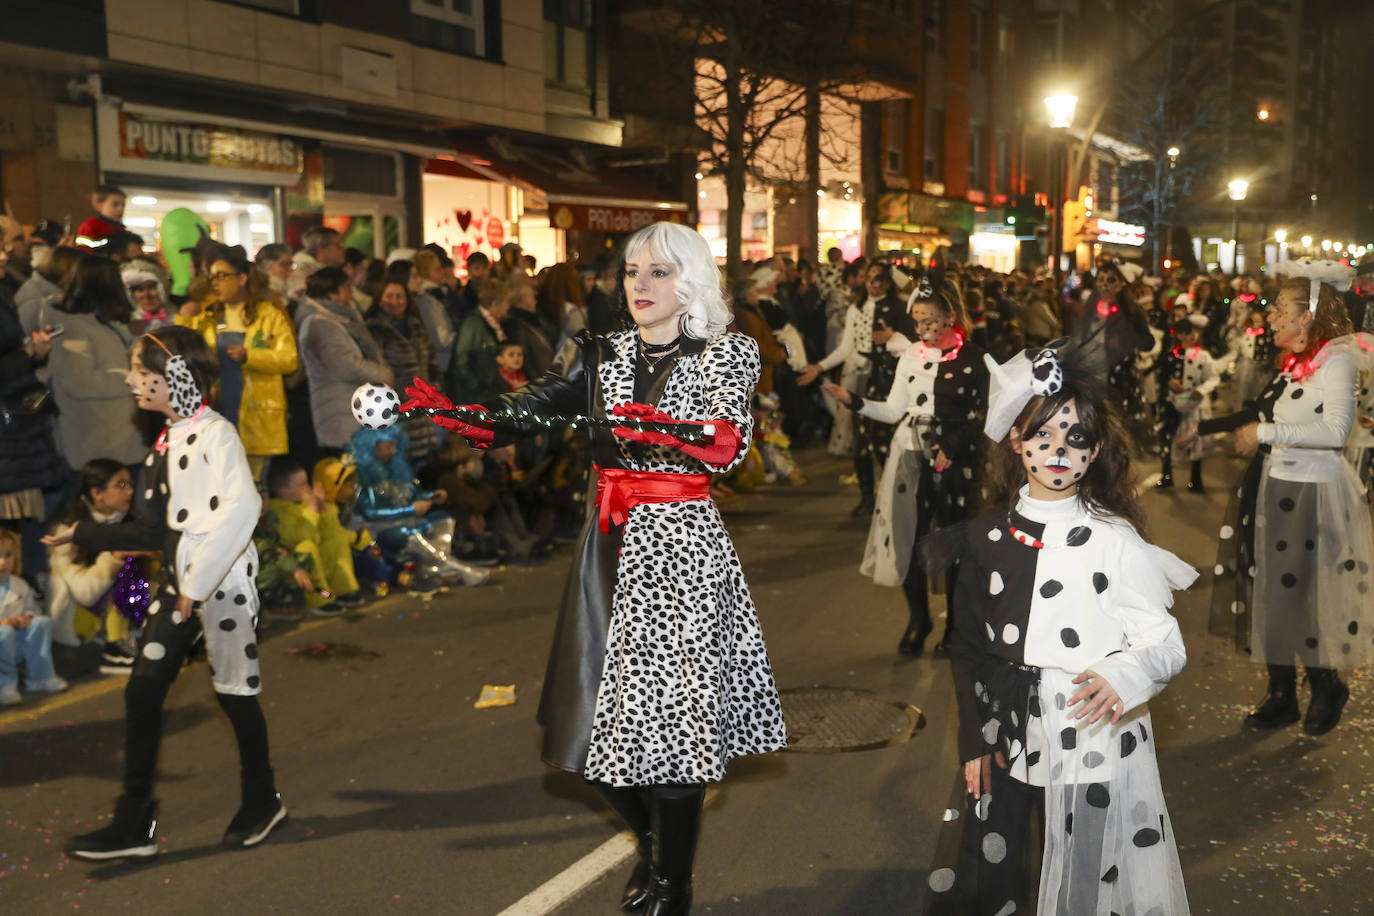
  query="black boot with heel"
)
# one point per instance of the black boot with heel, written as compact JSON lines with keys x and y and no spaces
{"x":631,"y":803}
{"x":676,"y":815}
{"x":1280,"y":704}
{"x":1329,"y":696}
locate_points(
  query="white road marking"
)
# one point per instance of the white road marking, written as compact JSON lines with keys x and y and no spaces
{"x":572,"y":880}
{"x":586,"y":871}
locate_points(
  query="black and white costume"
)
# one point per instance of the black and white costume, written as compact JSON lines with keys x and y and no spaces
{"x":196,"y":502}
{"x":1048,"y":591}
{"x":852,"y":356}
{"x":658,"y":672}
{"x":871,"y":437}
{"x":1297,"y":544}
{"x":1359,"y":448}
{"x":1180,"y":411}
{"x":1252,"y":363}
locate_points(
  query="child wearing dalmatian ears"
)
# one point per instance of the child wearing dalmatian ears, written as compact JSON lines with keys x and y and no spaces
{"x":1061,"y":634}
{"x":196,"y":502}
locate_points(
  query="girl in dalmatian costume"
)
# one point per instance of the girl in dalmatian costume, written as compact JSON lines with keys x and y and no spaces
{"x":933,"y":469}
{"x":1293,"y":576}
{"x":1188,"y":376}
{"x":196,"y":502}
{"x":658,"y":676}
{"x":1062,"y":633}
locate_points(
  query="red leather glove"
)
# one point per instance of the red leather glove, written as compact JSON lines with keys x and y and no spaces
{"x":424,"y":396}
{"x":718,"y":452}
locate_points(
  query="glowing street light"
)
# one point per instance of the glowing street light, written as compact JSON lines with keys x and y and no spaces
{"x":1280,"y":235}
{"x":1061,"y":107}
{"x":1326,"y":244}
{"x":1173,"y":152}
{"x":1306,"y":241}
{"x":1237,"y":187}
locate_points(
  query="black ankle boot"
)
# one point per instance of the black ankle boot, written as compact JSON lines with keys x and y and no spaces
{"x":1195,"y":481}
{"x":1280,"y":705}
{"x":129,"y":835}
{"x":914,"y":639}
{"x":677,"y":824}
{"x":1329,"y":697}
{"x":864,"y":508}
{"x":631,"y":803}
{"x":259,"y":814}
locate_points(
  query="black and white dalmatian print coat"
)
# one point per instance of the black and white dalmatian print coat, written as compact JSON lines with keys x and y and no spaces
{"x":658,"y":672}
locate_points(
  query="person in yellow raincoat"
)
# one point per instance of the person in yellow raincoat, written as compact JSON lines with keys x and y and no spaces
{"x":256,"y":348}
{"x":308,"y":522}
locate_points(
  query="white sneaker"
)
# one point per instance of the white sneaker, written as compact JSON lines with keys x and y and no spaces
{"x":52,"y":684}
{"x":10,"y":695}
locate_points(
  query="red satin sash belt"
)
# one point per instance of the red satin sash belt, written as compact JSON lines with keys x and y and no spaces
{"x":619,"y":490}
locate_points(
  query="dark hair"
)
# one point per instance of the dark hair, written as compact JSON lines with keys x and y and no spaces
{"x":183,"y":342}
{"x":280,"y":471}
{"x":507,"y":344}
{"x":412,"y":310}
{"x":325,"y":282}
{"x":117,"y":242}
{"x":444,"y":257}
{"x":850,"y":269}
{"x":478,"y":259}
{"x":104,"y":192}
{"x":398,"y":271}
{"x":353,"y":257}
{"x":885,"y":272}
{"x":95,"y":474}
{"x":60,"y":264}
{"x":272,"y":251}
{"x":1107,"y":487}
{"x":97,"y":289}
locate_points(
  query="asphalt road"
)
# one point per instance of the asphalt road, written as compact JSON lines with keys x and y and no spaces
{"x":406,"y":799}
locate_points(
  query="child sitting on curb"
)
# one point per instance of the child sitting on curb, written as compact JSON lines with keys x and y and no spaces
{"x":309,"y":524}
{"x":25,"y":635}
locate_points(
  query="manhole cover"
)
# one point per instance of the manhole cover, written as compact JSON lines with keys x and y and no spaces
{"x":830,"y":719}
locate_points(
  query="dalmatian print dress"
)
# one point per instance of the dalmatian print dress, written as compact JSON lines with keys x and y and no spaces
{"x":672,"y":680}
{"x":1047,"y":591}
{"x":196,"y":501}
{"x":1304,"y":548}
{"x":937,"y":400}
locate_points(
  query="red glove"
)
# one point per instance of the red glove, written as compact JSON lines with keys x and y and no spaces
{"x":718,"y":452}
{"x":424,"y":396}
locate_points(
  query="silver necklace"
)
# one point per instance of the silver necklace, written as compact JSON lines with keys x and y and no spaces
{"x":652,"y":360}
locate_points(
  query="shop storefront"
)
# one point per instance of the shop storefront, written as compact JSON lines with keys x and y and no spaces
{"x":1115,"y":239}
{"x":921,"y":223}
{"x":252,"y":182}
{"x":558,"y":204}
{"x":756,"y":223}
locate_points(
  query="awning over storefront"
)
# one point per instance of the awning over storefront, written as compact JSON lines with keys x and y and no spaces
{"x":913,"y":212}
{"x":579,"y":192}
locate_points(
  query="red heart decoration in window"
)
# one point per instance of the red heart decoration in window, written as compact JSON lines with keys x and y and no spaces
{"x":464,"y":218}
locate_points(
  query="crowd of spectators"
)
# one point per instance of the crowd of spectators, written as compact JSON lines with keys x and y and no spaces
{"x":296,"y":332}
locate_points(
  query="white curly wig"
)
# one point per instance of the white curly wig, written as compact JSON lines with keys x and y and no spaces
{"x":706,"y":312}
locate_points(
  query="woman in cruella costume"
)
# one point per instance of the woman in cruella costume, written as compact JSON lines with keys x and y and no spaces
{"x":658,"y":675}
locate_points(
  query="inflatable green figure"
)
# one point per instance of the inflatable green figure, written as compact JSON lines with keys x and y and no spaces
{"x":182,"y":230}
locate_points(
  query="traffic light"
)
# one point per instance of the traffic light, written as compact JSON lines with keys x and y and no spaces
{"x":1168,"y":264}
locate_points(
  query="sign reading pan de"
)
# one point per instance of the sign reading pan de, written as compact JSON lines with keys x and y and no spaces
{"x":142,"y":143}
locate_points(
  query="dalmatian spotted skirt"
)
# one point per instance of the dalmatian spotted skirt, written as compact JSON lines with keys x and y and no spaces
{"x":228,"y":618}
{"x":687,"y":685}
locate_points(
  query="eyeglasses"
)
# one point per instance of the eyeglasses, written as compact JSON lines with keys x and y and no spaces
{"x":119,"y":485}
{"x":223,"y":275}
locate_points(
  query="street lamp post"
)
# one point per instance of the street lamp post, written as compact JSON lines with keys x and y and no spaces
{"x":1173,"y":152}
{"x":1060,"y":107}
{"x":1236,"y":189}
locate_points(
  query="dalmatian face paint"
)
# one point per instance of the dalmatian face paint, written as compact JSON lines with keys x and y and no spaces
{"x":1057,"y":455}
{"x":150,"y":389}
{"x":174,"y":394}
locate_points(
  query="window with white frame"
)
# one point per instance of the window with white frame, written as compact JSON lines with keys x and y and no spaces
{"x":451,"y":25}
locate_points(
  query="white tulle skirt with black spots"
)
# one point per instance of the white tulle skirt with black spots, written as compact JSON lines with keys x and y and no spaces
{"x":1109,"y":846}
{"x":1109,"y":843}
{"x":1312,"y":557}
